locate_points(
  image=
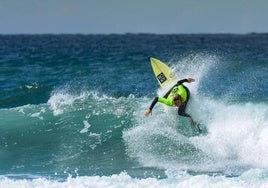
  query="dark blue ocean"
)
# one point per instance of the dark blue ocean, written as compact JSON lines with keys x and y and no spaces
{"x":72,"y":111}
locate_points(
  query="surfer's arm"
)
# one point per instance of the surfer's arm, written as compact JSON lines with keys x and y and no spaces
{"x":158,"y":99}
{"x":182,"y":81}
{"x":189,"y":80}
{"x":153,"y":103}
{"x":149,"y":111}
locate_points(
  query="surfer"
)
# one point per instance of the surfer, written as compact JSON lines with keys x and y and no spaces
{"x":178,"y":96}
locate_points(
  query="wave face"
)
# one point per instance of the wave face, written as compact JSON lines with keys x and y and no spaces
{"x":72,"y":109}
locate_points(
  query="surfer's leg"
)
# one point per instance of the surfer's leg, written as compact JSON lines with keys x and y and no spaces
{"x":181,"y":111}
{"x":182,"y":108}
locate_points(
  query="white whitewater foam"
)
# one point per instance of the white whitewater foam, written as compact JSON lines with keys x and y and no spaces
{"x":85,"y":129}
{"x":251,"y":179}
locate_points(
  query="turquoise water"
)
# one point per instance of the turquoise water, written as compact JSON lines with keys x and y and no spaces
{"x":72,"y":111}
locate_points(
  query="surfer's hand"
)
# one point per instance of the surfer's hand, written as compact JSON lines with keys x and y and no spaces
{"x":148,"y":112}
{"x":190,"y":80}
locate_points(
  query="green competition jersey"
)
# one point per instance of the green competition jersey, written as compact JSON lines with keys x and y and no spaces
{"x":180,"y":90}
{"x":168,"y":97}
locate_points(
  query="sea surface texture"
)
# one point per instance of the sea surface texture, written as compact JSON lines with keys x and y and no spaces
{"x":72,"y":111}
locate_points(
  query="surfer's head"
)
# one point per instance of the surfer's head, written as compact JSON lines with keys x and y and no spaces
{"x":177,"y":100}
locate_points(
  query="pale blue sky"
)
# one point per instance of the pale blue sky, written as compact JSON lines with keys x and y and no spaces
{"x":133,"y":16}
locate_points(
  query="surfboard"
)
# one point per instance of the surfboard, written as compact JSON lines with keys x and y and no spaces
{"x":162,"y":72}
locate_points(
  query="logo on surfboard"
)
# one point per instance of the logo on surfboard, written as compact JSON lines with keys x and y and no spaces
{"x":161,"y":77}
